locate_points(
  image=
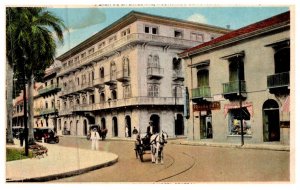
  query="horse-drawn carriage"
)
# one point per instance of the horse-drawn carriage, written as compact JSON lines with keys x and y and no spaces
{"x":152,"y":143}
{"x":102,"y":131}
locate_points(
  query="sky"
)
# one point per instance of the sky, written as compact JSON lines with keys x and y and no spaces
{"x":82,"y":23}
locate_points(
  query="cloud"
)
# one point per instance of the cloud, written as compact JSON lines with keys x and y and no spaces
{"x":197,"y":18}
{"x":77,"y":18}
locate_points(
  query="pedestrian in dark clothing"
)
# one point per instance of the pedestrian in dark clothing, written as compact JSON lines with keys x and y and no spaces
{"x":21,"y":137}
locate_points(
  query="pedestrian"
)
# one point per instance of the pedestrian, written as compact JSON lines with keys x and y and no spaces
{"x":126,"y":131}
{"x":21,"y":137}
{"x":135,"y":132}
{"x":95,"y":137}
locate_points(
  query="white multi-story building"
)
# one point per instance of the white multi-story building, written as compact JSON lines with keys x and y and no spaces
{"x":127,"y":75}
{"x":241,"y":79}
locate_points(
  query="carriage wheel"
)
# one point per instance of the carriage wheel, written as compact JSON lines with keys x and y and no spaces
{"x":140,"y":151}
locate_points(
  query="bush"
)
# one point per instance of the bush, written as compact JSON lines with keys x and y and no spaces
{"x":16,"y":154}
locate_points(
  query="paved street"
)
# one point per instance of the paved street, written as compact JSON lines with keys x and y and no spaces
{"x":184,"y":163}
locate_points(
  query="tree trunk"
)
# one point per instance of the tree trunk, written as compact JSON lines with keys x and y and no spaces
{"x":9,"y":103}
{"x":30,"y":110}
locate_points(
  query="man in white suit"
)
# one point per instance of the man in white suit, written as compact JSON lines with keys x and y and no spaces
{"x":95,"y":139}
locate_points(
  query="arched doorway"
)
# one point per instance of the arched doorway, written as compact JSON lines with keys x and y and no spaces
{"x":179,"y":125}
{"x":103,"y":124}
{"x":271,"y":130}
{"x":128,"y":124}
{"x":85,"y":127}
{"x":115,"y":126}
{"x":156,"y":123}
{"x":77,"y":123}
{"x":71,"y":128}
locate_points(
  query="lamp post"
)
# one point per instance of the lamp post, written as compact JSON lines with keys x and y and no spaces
{"x":25,"y":107}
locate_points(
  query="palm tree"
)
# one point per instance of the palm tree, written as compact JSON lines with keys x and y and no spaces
{"x":31,"y":30}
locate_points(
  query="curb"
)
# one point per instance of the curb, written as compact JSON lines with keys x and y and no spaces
{"x":247,"y":146}
{"x":66,"y":174}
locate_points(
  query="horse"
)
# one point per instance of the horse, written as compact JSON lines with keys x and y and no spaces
{"x":157,"y":142}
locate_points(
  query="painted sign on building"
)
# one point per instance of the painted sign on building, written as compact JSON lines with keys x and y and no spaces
{"x":207,"y":106}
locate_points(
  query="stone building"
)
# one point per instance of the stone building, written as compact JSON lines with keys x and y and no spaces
{"x":127,"y":75}
{"x":239,"y":85}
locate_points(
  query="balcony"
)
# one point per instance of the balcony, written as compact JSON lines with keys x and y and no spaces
{"x":200,"y":93}
{"x":48,"y":111}
{"x":135,"y":38}
{"x":123,"y":76}
{"x":53,"y":88}
{"x":98,"y":83}
{"x":177,"y":75}
{"x":87,"y":86}
{"x":231,"y":90}
{"x":110,"y":79}
{"x":155,"y":72}
{"x":279,"y":83}
{"x":82,"y":107}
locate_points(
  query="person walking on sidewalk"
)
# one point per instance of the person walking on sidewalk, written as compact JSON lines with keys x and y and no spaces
{"x":95,"y":137}
{"x":21,"y":137}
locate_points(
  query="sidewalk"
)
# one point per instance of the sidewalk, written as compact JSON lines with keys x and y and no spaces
{"x":61,"y":162}
{"x":266,"y":146}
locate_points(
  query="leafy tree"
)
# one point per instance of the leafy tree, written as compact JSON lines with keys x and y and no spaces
{"x":31,"y":46}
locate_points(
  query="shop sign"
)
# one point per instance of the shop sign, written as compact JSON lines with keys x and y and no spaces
{"x":207,"y":106}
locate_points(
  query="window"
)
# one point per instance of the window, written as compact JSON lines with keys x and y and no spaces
{"x":127,"y":91}
{"x":92,"y":99}
{"x":234,"y":65}
{"x":113,"y":95}
{"x":83,"y":55}
{"x":177,"y":66}
{"x":91,"y":51}
{"x":177,"y":91}
{"x":101,"y":72}
{"x":125,"y":32}
{"x":153,"y":61}
{"x":52,"y":104}
{"x":70,"y":62}
{"x":111,"y":39}
{"x":78,"y":81}
{"x":76,"y":58}
{"x":65,"y":64}
{"x":102,"y":97}
{"x":153,"y":90}
{"x":197,"y":37}
{"x":151,"y":30}
{"x":178,"y":34}
{"x":84,"y":99}
{"x":101,"y":45}
{"x":46,"y":105}
{"x":113,"y":70}
{"x":46,"y":84}
{"x":58,"y":104}
{"x":234,"y":123}
{"x":126,"y":72}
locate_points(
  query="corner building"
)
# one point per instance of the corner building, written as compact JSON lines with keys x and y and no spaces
{"x":127,"y":75}
{"x":241,"y":79}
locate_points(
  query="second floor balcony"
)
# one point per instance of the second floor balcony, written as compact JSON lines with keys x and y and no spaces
{"x":47,"y":111}
{"x":231,"y":90}
{"x":279,"y":83}
{"x":53,"y":88}
{"x":200,"y":93}
{"x":155,"y":72}
{"x":177,"y":75}
{"x":110,"y":79}
{"x":123,"y":76}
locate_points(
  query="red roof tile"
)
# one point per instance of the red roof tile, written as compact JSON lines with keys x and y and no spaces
{"x":245,"y":30}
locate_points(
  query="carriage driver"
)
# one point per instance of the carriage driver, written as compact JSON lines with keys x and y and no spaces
{"x":150,"y":129}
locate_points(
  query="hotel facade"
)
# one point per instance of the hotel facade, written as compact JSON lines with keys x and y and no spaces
{"x":239,"y":84}
{"x":127,"y":75}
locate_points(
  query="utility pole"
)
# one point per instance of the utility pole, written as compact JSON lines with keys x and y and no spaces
{"x":240,"y":99}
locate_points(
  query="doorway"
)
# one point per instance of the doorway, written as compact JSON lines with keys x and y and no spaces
{"x":115,"y":126}
{"x":156,"y":123}
{"x":271,"y":129}
{"x":206,"y":130}
{"x":179,"y":125}
{"x":128,"y":124}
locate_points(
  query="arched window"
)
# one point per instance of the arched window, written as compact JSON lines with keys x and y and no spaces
{"x":101,"y":72}
{"x":126,"y":71}
{"x":156,"y":61}
{"x":113,"y":70}
{"x":150,"y":61}
{"x":102,"y":97}
{"x":114,"y":95}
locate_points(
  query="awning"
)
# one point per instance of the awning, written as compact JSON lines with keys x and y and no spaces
{"x":236,"y":105}
{"x":286,"y":105}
